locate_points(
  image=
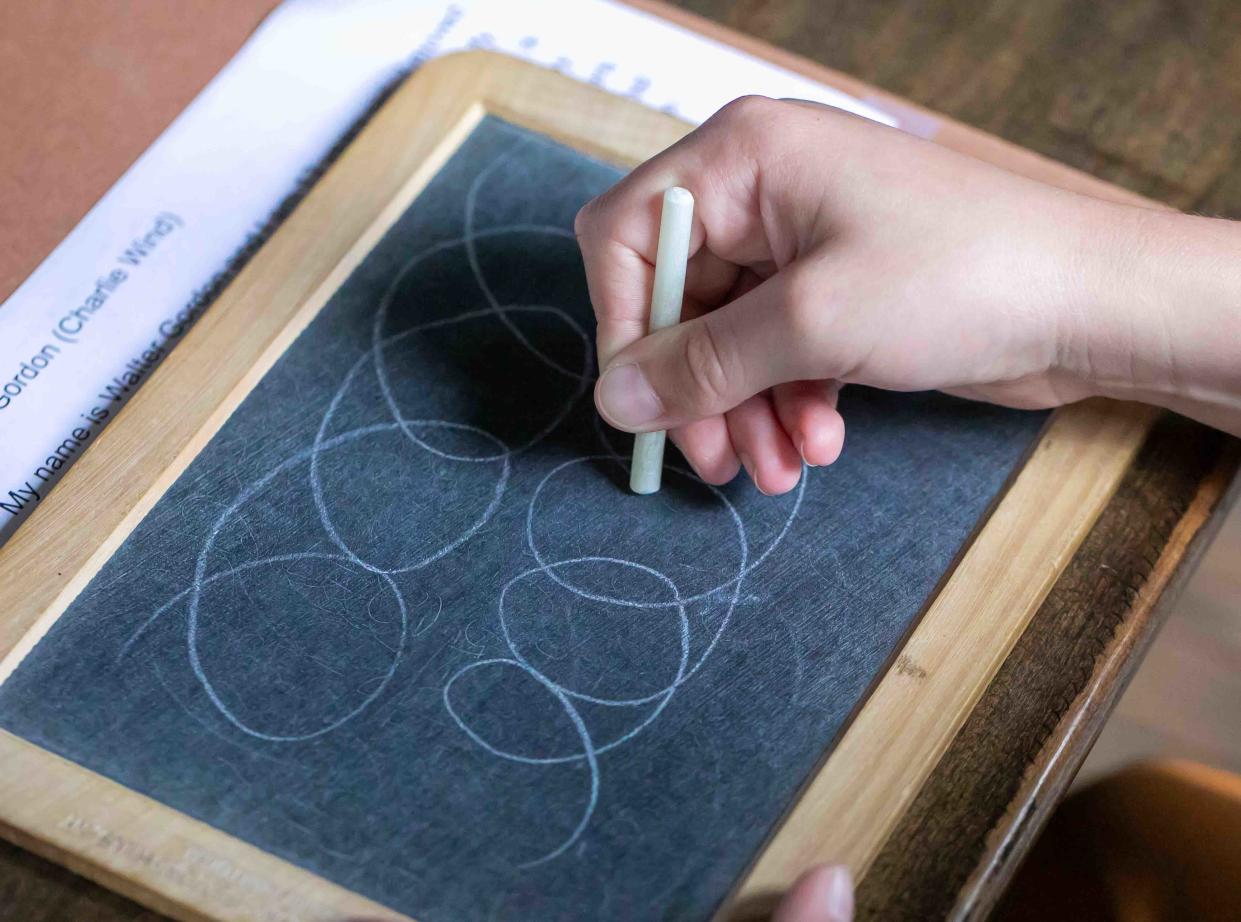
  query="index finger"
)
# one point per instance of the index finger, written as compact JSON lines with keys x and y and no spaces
{"x":618,"y":231}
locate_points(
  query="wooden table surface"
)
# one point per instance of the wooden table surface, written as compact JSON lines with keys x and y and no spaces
{"x":1144,"y":93}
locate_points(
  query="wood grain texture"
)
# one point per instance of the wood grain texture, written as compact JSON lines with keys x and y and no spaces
{"x":1184,"y":700}
{"x":1142,"y":93}
{"x":33,"y":889}
{"x":849,"y":809}
{"x":1012,"y":761}
{"x":135,"y":846}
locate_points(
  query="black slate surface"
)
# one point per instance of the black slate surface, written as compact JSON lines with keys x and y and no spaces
{"x":402,"y":624}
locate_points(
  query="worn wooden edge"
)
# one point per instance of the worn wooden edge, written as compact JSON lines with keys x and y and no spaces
{"x":34,"y":888}
{"x":1053,"y":771}
{"x":963,"y":836}
{"x":1082,"y":456}
{"x":848,"y":809}
{"x":166,"y":860}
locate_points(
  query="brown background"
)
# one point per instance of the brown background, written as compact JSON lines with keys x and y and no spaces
{"x":1145,"y":93}
{"x":85,"y":87}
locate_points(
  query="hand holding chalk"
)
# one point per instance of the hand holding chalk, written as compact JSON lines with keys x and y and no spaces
{"x":675,"y":223}
{"x":871,"y":265}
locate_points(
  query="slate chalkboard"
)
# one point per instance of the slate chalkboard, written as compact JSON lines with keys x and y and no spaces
{"x":402,"y":624}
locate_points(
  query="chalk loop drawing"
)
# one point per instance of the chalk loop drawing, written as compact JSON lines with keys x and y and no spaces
{"x":464,"y":444}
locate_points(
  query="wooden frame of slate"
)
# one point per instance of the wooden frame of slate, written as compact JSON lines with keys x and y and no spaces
{"x":190,"y":870}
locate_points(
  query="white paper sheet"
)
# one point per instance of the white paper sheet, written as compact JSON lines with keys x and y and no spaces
{"x":95,"y":318}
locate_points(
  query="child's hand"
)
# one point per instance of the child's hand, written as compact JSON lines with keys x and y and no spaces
{"x":828,"y":249}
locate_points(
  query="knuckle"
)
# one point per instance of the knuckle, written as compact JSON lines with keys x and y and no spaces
{"x":709,"y":378}
{"x":750,"y":123}
{"x":748,"y":109}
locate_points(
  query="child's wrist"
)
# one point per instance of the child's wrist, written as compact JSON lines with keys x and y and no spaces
{"x":1161,"y":317}
{"x":1112,"y":313}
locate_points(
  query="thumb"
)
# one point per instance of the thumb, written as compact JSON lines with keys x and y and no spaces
{"x":708,"y":365}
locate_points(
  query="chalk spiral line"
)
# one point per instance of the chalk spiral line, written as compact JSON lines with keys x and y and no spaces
{"x":416,"y":432}
{"x":565,"y":696}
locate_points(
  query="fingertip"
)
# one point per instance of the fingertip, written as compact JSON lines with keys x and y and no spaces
{"x":776,"y":481}
{"x":807,"y":411}
{"x":764,"y":447}
{"x":780,"y":469}
{"x":776,"y":474}
{"x":820,"y":441}
{"x":720,"y":473}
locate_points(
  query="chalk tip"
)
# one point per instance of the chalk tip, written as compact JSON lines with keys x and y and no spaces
{"x":643,"y":488}
{"x":679,"y":195}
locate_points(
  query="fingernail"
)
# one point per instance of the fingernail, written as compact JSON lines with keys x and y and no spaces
{"x":801,"y":450}
{"x":627,"y":399}
{"x":838,"y":901}
{"x":749,"y":469}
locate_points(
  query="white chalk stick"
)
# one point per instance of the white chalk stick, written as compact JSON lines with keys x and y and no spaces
{"x":669,"y":288}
